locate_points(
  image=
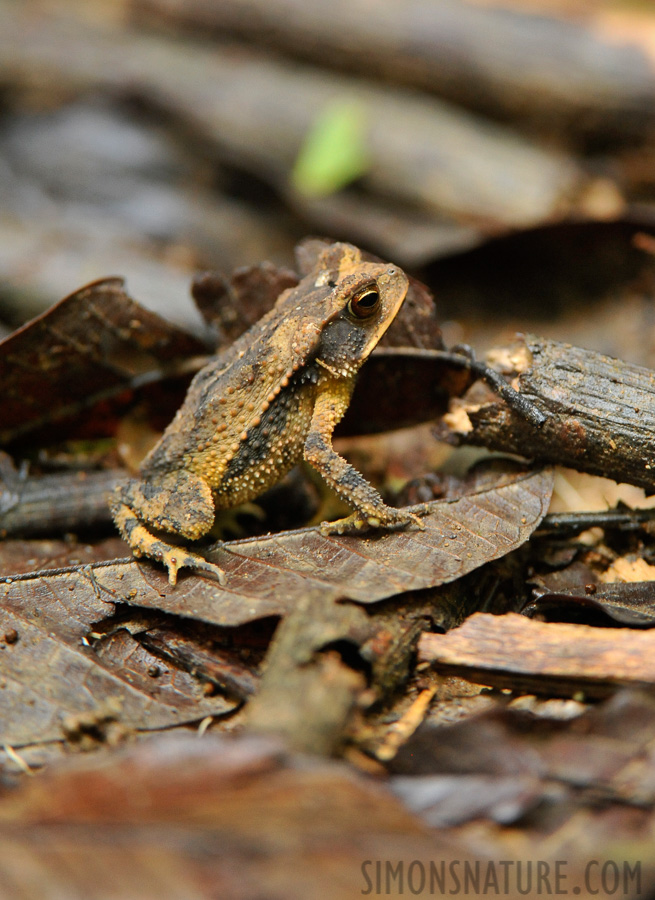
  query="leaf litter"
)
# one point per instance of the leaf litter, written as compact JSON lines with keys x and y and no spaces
{"x":53,"y":666}
{"x":103,"y":650}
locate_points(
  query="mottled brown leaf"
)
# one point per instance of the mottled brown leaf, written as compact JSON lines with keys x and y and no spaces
{"x":232,"y":305}
{"x":520,"y":653}
{"x":52,"y":670}
{"x":266,"y":576}
{"x":91,"y":345}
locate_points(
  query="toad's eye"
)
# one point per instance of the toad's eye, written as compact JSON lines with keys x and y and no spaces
{"x":365,"y":302}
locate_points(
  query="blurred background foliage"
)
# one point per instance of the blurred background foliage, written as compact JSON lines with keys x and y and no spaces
{"x":502,"y":150}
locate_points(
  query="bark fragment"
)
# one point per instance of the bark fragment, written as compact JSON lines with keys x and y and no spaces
{"x":600,"y":412}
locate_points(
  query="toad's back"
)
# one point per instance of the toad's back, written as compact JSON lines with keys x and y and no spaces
{"x":272,"y":397}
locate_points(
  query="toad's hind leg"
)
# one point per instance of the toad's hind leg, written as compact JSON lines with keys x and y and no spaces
{"x":179,"y":503}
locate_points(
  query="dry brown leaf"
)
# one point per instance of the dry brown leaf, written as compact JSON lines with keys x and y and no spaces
{"x":51,"y":674}
{"x":266,"y":576}
{"x":631,"y":604}
{"x":232,"y":305}
{"x":91,"y":345}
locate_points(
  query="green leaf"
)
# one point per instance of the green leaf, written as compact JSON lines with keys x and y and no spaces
{"x":334,"y":151}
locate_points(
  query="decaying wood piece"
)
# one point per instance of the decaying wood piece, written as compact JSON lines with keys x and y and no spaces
{"x":600,"y":412}
{"x":488,"y":58}
{"x":328,"y":657}
{"x":256,"y":111}
{"x":515,"y":652}
{"x":308,"y":691}
{"x":52,"y":504}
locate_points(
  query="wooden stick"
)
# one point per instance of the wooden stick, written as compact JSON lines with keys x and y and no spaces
{"x":600,"y":412}
{"x":515,"y":652}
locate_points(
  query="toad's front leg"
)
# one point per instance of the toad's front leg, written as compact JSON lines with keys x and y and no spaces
{"x":371,"y":510}
{"x":179,"y":504}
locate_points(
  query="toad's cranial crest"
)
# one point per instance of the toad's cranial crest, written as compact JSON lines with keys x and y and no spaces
{"x":256,"y":409}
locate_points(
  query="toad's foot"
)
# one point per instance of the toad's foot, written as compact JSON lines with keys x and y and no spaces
{"x":388,"y":518}
{"x":174,"y":558}
{"x":144,"y":543}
